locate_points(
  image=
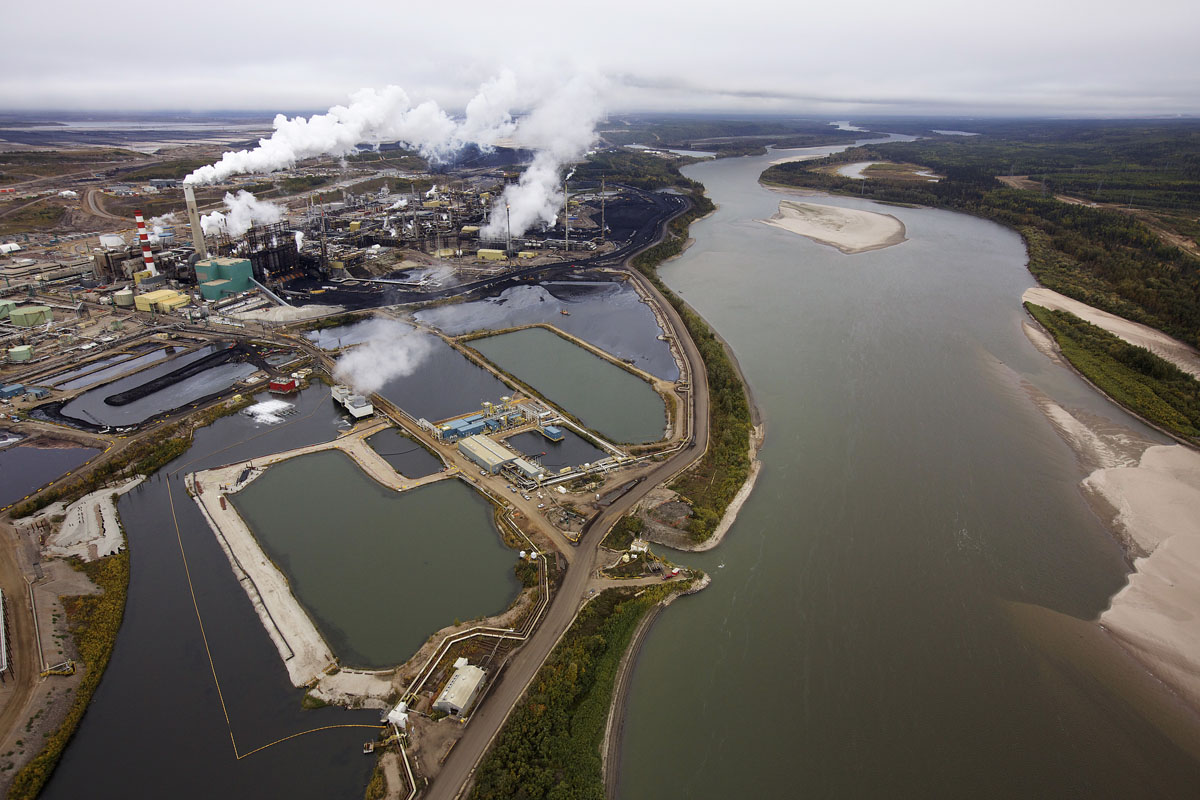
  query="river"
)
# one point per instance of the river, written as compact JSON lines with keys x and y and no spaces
{"x":859,"y":638}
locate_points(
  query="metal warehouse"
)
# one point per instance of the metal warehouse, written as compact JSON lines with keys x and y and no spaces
{"x":461,"y":689}
{"x":486,"y":453}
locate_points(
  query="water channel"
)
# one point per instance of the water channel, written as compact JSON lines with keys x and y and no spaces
{"x":861,"y":637}
{"x":604,"y":397}
{"x":378,"y":571}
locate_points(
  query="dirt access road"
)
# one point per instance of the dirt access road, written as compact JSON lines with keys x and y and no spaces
{"x":1172,"y":238}
{"x":486,"y":722}
{"x":22,"y":643}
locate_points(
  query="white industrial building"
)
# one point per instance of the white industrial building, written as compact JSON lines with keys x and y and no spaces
{"x":356,"y":404}
{"x":486,"y":453}
{"x":529,"y":469}
{"x":461,"y":690}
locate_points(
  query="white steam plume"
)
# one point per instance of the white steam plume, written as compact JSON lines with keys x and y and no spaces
{"x":158,"y":224}
{"x":561,"y":129}
{"x":393,"y":351}
{"x":374,"y":117}
{"x":242,"y":212}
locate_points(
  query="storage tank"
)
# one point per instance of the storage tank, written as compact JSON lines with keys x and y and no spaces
{"x":22,"y":352}
{"x":123,"y":298}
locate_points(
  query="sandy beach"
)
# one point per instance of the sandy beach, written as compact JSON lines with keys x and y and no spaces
{"x":849,"y":230}
{"x":1157,"y":342}
{"x":1157,"y":615}
{"x":1149,"y":496}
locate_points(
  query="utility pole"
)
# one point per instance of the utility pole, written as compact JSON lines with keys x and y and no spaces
{"x":602,"y":199}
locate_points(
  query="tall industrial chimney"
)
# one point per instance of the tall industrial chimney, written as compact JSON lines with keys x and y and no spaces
{"x":144,"y":238}
{"x":194,"y":220}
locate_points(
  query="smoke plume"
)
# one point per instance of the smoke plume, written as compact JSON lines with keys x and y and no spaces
{"x":242,"y":212}
{"x":561,"y":129}
{"x":158,"y":224}
{"x":393,"y":351}
{"x":559,"y":126}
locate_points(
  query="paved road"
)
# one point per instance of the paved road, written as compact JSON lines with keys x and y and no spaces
{"x":459,"y":768}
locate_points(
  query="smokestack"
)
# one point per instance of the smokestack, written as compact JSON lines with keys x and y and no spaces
{"x":194,"y":220}
{"x":144,"y":238}
{"x":566,"y":216}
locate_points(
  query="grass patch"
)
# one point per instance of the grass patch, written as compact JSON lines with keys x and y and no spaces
{"x":94,"y":622}
{"x":177,"y":168}
{"x":621,"y":536}
{"x":1146,"y":384}
{"x":37,"y":216}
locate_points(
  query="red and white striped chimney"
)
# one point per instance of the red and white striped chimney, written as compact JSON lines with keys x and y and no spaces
{"x":144,"y":238}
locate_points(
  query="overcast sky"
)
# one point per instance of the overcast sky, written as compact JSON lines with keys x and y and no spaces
{"x":1045,"y":57}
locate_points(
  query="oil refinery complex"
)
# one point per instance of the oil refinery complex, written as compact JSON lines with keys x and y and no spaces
{"x":141,"y":335}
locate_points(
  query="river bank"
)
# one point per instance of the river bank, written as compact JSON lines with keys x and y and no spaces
{"x":1182,"y":355}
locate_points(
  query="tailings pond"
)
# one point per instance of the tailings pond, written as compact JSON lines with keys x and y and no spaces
{"x":91,"y":406}
{"x":90,"y":375}
{"x":572,"y":451}
{"x":407,"y":457}
{"x":877,"y":625}
{"x":607,"y":314}
{"x":156,"y":726}
{"x":439,"y":381}
{"x":24,"y":468}
{"x":377,"y":570}
{"x":606,"y":398}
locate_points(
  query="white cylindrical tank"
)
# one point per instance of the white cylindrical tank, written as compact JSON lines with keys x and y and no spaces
{"x":123,"y":298}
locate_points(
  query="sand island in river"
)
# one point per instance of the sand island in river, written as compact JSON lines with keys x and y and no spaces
{"x":848,"y":229}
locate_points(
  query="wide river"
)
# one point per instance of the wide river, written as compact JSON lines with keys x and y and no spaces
{"x":861,"y":637}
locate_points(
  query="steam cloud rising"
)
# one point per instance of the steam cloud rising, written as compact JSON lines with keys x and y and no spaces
{"x":242,"y":211}
{"x":560,"y":127}
{"x":393,"y":350}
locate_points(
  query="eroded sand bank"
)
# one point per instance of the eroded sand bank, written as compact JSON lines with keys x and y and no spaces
{"x":1157,"y":342}
{"x":1152,"y":496}
{"x":848,"y":229}
{"x":1157,"y":614}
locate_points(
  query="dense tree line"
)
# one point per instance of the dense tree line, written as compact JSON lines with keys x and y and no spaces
{"x":1148,"y":385}
{"x":633,"y":168}
{"x":550,"y":746}
{"x":710,"y":485}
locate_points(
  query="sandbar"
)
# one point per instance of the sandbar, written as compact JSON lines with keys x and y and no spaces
{"x":1157,"y":613}
{"x":850,"y":230}
{"x":1181,"y":355}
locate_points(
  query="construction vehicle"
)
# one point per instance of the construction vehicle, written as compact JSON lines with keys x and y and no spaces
{"x":65,"y":668}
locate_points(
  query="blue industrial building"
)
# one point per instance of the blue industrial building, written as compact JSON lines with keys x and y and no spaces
{"x":11,"y":390}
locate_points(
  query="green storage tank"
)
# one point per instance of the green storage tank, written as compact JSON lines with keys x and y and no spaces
{"x":237,"y":271}
{"x":215,"y":289}
{"x":22,"y":352}
{"x":29,"y":316}
{"x":6,"y":306}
